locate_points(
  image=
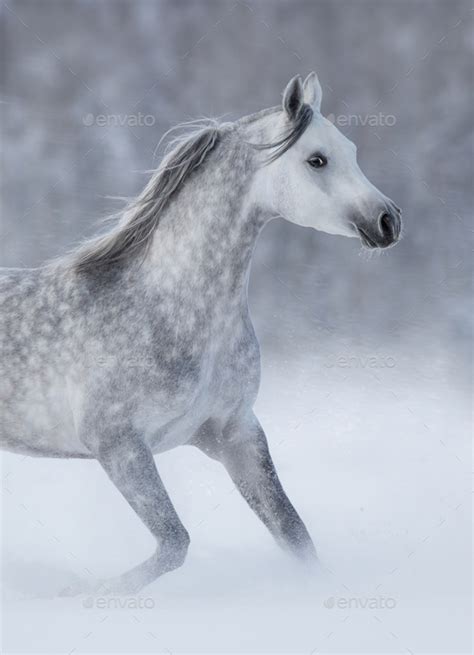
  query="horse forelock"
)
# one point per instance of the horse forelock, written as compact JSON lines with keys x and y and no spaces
{"x":290,"y":136}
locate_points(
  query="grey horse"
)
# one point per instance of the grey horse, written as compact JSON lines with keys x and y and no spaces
{"x":140,"y":339}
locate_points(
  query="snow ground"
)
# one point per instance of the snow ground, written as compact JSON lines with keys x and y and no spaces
{"x":374,"y":455}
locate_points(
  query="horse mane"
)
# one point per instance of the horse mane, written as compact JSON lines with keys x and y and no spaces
{"x":136,"y":225}
{"x":296,"y":128}
{"x":133,"y":232}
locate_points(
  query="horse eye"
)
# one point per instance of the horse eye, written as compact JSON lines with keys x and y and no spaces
{"x":317,"y":161}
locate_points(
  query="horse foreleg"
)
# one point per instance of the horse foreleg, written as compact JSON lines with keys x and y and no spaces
{"x":243,"y":450}
{"x":131,"y":467}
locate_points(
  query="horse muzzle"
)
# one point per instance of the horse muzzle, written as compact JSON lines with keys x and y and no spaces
{"x":382,"y":232}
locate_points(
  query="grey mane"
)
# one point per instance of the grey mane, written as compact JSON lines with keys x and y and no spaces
{"x":296,"y":128}
{"x":141,"y":218}
{"x":133,"y":232}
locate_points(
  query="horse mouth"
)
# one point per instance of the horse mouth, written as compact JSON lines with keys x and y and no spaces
{"x":366,"y":240}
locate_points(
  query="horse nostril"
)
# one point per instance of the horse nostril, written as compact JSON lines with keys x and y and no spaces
{"x":386,"y":225}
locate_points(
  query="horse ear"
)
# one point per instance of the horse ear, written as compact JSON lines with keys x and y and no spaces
{"x":312,"y":91}
{"x":293,"y":97}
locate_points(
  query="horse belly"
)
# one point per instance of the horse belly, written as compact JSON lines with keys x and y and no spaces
{"x":37,"y":419}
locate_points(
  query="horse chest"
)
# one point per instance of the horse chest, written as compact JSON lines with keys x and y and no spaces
{"x":224,"y":371}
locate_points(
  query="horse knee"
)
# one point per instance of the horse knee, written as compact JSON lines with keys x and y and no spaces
{"x":174,"y":549}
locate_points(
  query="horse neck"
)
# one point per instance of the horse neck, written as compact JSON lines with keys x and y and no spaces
{"x":203,"y":246}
